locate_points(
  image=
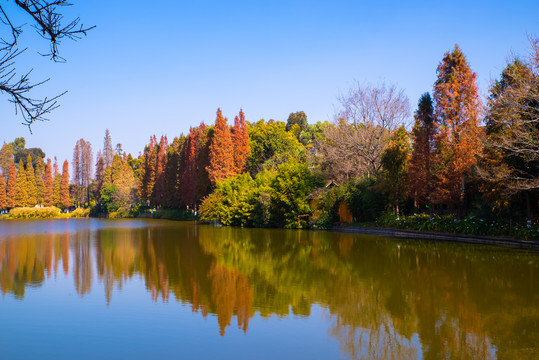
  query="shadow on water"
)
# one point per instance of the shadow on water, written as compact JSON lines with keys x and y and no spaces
{"x":385,"y":298}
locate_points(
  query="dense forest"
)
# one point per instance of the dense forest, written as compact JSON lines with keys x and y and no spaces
{"x":461,"y":158}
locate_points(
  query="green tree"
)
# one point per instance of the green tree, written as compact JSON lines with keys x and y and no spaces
{"x":297,"y":118}
{"x":289,"y":191}
{"x":394,"y":167}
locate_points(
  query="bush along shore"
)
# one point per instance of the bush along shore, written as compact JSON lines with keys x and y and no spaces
{"x":43,"y":213}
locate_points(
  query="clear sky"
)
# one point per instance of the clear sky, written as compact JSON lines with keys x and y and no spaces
{"x":160,"y":67}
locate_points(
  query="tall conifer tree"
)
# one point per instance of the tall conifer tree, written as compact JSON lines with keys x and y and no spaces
{"x":3,"y":194}
{"x":31,"y":187}
{"x":458,"y":138}
{"x":11,"y":191}
{"x":64,"y":186}
{"x":47,"y":196}
{"x":40,"y":180}
{"x":56,"y":198}
{"x":420,"y":164}
{"x":240,"y":140}
{"x":221,"y":160}
{"x":21,"y":196}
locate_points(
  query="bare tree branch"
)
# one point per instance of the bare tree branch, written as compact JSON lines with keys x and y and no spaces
{"x":47,"y":19}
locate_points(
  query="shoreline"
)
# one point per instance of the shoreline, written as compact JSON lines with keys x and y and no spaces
{"x":438,"y":236}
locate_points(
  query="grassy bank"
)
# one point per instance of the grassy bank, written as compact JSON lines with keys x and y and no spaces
{"x":470,"y":225}
{"x":43,"y":213}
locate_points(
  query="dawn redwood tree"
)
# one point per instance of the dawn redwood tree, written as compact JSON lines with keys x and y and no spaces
{"x":99,"y":174}
{"x":47,"y":196}
{"x":31,"y":188}
{"x":65,"y":201}
{"x":203,"y":183}
{"x":221,"y":160}
{"x":420,"y":163}
{"x":160,"y":167}
{"x":56,"y":198}
{"x":149,"y":167}
{"x":190,"y":156}
{"x":240,"y":142}
{"x":6,"y":158}
{"x":40,"y":180}
{"x":11,"y":191}
{"x":108,"y":153}
{"x":3,"y":195}
{"x":458,"y":139}
{"x":21,"y":195}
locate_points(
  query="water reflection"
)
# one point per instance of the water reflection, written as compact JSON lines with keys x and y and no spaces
{"x":385,"y":299}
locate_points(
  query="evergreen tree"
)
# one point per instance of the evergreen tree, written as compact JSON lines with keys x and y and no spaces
{"x":65,"y":201}
{"x":21,"y":195}
{"x":420,"y":164}
{"x":221,"y":161}
{"x":31,"y":187}
{"x":47,"y":195}
{"x":11,"y":191}
{"x":240,"y":140}
{"x":458,"y":138}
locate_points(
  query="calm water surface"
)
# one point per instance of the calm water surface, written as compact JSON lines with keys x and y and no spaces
{"x":129,"y":289}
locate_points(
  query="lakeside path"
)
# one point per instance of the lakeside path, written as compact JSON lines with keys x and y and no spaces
{"x":430,"y":235}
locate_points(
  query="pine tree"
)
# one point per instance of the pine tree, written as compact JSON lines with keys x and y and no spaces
{"x":11,"y":191}
{"x":40,"y":180}
{"x":3,"y":194}
{"x":47,"y":195}
{"x":65,"y":201}
{"x":458,"y":138}
{"x":240,"y":140}
{"x":31,"y":187}
{"x":21,"y":195}
{"x":420,"y":164}
{"x":221,"y":161}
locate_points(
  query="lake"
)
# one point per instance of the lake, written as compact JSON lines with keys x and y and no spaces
{"x":139,"y":289}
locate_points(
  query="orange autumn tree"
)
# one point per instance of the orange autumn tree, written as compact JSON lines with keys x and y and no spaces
{"x":47,"y":196}
{"x":11,"y":190}
{"x":3,"y":196}
{"x":458,"y":138}
{"x":65,"y":201}
{"x":240,"y":143}
{"x":221,"y":156}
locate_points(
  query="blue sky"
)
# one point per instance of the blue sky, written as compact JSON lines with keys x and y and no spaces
{"x":160,"y":67}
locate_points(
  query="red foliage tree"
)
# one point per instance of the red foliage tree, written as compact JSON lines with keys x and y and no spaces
{"x":240,"y":141}
{"x":459,"y":138}
{"x":149,"y":165}
{"x":190,"y":155}
{"x":160,"y":166}
{"x":221,"y":160}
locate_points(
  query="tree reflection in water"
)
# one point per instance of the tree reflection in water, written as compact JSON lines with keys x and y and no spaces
{"x":385,"y":299}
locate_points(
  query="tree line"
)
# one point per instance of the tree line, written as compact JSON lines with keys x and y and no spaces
{"x":460,"y":157}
